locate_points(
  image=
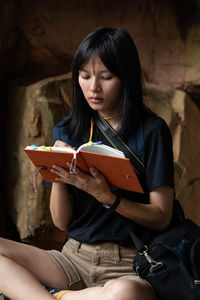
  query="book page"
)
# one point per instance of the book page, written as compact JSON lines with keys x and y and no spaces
{"x":103,"y":149}
{"x":63,"y":149}
{"x":51,"y":148}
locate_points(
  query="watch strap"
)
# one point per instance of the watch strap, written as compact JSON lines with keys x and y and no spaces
{"x":115,"y":204}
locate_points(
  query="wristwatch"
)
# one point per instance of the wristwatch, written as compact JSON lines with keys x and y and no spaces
{"x":115,"y":204}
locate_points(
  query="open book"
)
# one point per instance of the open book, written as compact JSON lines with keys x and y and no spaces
{"x":109,"y":161}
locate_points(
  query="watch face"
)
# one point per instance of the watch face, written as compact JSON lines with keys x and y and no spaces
{"x":106,"y":206}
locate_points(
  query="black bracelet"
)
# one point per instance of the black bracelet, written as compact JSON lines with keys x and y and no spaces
{"x":115,"y":204}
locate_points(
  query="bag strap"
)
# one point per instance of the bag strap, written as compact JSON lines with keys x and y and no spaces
{"x":117,"y":143}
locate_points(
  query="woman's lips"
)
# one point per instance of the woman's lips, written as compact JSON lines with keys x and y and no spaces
{"x":96,"y":99}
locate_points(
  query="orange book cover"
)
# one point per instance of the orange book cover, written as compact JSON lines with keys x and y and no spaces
{"x":48,"y":158}
{"x":118,"y":170}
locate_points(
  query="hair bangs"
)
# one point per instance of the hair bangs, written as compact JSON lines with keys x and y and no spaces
{"x":101,"y":45}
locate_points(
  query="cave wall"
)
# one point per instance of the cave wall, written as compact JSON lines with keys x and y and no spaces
{"x":166,"y":34}
{"x":38,"y":40}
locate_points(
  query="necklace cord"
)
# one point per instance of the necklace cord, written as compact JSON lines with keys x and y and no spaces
{"x":91,"y":130}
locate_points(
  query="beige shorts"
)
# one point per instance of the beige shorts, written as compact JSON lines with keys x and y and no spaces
{"x":85,"y":265}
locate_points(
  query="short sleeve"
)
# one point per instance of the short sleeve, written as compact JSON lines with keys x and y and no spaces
{"x":56,"y":134}
{"x":158,"y":154}
{"x":60,"y":131}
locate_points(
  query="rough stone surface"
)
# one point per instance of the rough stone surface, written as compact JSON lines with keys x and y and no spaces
{"x":46,"y":34}
{"x":183,"y":119}
{"x":35,"y":109}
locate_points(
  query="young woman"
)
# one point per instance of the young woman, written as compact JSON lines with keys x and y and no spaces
{"x":96,"y":261}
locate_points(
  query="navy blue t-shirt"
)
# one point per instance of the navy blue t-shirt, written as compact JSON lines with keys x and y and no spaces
{"x":92,"y":223}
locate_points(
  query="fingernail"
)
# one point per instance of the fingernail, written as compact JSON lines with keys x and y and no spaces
{"x":92,"y":170}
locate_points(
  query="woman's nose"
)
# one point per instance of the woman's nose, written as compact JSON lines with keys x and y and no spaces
{"x":95,"y":85}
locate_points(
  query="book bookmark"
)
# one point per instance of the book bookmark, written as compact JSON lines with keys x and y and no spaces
{"x":72,"y":168}
{"x":35,"y":174}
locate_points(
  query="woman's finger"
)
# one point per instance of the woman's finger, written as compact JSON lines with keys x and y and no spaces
{"x":58,"y":168}
{"x":59,"y":143}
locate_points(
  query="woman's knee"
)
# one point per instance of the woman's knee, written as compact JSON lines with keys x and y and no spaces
{"x":125,"y":289}
{"x":9,"y":248}
{"x":4,"y":247}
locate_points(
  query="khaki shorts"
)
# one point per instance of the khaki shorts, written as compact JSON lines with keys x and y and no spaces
{"x":85,"y":265}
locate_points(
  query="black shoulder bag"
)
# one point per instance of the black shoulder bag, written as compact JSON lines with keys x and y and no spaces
{"x":171,"y":261}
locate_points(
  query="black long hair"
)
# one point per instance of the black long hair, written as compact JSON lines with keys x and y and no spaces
{"x":116,"y":49}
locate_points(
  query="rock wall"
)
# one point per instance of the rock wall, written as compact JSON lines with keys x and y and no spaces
{"x":183,"y":119}
{"x":168,"y":43}
{"x":45,"y":35}
{"x":35,"y":109}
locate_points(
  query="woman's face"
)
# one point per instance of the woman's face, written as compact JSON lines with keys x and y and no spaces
{"x":101,"y":88}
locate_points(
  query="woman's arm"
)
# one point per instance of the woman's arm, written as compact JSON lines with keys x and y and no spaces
{"x":61,"y":201}
{"x":156,"y":214}
{"x":61,"y":206}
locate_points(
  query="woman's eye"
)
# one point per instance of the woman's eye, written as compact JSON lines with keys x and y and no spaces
{"x":85,"y":77}
{"x":107,"y":78}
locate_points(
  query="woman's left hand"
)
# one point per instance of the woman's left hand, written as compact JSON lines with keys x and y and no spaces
{"x":94,"y":183}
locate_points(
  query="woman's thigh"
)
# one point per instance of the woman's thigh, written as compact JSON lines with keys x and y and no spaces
{"x":35,"y":260}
